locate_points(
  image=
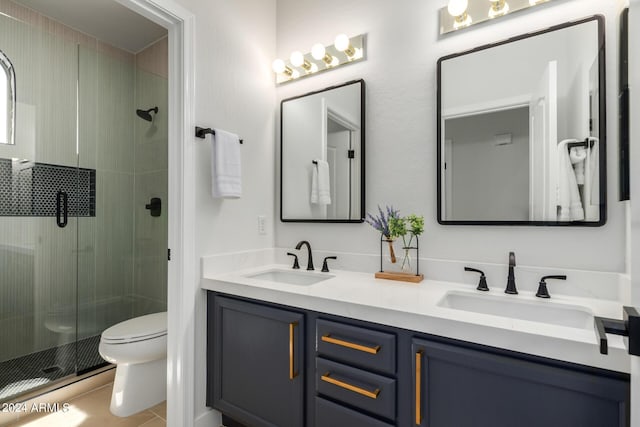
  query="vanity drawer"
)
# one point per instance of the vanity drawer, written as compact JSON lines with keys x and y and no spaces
{"x":361,"y":389}
{"x":329,"y":414}
{"x":362,"y":347}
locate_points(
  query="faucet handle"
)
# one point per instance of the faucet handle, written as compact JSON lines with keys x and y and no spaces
{"x":542,"y":288}
{"x":325,"y":267}
{"x":482,"y":285}
{"x":295,"y":260}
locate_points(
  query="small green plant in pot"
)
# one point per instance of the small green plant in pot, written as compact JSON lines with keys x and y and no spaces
{"x":392,"y":226}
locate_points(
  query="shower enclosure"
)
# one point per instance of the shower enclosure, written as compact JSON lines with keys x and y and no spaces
{"x":79,"y":248}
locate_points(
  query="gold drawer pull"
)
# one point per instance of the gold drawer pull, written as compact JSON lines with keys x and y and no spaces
{"x":418,"y":387}
{"x":370,"y":350}
{"x":372,"y":394}
{"x":292,"y":326}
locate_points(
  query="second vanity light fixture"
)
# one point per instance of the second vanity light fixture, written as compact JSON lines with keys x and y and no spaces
{"x":463,"y":13}
{"x":344,"y":50}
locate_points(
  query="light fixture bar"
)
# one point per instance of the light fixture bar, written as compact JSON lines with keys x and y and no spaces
{"x":320,"y":58}
{"x":459,"y":14}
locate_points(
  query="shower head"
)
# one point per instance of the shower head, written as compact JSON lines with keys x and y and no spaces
{"x":146,"y":114}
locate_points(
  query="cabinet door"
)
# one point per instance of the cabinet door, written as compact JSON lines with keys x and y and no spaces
{"x":257,"y":374}
{"x":457,"y":386}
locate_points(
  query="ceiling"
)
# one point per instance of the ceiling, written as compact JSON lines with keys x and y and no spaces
{"x":106,"y":20}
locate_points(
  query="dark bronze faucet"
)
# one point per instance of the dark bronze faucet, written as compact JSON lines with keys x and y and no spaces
{"x":511,"y":279}
{"x":310,"y":257}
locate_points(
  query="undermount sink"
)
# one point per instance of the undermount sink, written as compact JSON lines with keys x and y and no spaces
{"x":573,"y":316}
{"x":291,"y":277}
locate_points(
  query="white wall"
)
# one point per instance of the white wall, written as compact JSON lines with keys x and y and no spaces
{"x":400,"y":71}
{"x":235,"y":45}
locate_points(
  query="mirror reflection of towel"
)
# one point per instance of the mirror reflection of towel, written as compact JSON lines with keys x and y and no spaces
{"x":577,"y":156}
{"x":569,"y":200}
{"x":320,"y":192}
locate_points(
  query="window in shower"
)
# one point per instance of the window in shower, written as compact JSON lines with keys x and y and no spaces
{"x":7,"y":99}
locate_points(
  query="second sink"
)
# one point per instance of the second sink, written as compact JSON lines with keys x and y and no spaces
{"x":573,"y":316}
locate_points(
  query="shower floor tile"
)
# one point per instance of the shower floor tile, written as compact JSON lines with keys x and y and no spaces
{"x":26,"y":373}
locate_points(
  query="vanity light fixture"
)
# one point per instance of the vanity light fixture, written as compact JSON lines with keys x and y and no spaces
{"x":344,"y":50}
{"x":498,"y":8}
{"x":457,"y":14}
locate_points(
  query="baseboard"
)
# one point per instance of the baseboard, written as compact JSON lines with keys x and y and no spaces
{"x":210,"y":418}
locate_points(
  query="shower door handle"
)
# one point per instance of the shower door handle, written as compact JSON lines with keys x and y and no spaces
{"x":61,"y":209}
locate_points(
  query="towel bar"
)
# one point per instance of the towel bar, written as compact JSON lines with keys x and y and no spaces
{"x":588,"y":142}
{"x":203,"y":132}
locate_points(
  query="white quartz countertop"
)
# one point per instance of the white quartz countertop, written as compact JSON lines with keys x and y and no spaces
{"x":415,"y":307}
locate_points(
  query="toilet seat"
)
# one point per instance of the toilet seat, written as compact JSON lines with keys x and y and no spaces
{"x":137,"y":329}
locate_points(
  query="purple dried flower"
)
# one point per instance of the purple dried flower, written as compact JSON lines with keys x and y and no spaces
{"x":381,"y":222}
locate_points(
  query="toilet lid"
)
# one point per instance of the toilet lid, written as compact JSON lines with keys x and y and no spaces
{"x":138,"y":328}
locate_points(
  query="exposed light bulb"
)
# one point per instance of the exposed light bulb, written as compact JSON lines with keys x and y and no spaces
{"x":341,"y":42}
{"x":278,"y":66}
{"x":318,"y":51}
{"x":498,"y":8}
{"x":457,"y":7}
{"x":334,"y":62}
{"x":462,"y":21}
{"x":296,"y":58}
{"x":295,"y":74}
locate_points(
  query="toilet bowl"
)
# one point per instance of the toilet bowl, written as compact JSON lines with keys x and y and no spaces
{"x":138,"y":348}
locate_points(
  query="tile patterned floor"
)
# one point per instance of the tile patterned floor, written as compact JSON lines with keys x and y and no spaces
{"x":92,"y":410}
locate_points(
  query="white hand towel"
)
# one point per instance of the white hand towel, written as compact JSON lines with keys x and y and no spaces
{"x":320,"y":184}
{"x":226,"y":178}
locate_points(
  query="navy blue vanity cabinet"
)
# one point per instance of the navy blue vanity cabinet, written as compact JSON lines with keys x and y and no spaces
{"x":257,"y":356}
{"x":464,"y":387}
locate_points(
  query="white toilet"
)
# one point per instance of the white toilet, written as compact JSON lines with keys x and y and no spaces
{"x":138,"y":347}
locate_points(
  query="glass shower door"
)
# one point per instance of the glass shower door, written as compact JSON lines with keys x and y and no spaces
{"x":40,"y":202}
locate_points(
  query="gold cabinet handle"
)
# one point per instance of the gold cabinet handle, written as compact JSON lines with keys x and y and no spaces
{"x":418,"y":387}
{"x":354,"y":346}
{"x":292,"y":326}
{"x":372,"y":394}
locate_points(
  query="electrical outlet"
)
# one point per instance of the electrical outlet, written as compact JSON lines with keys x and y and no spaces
{"x":262,"y":229}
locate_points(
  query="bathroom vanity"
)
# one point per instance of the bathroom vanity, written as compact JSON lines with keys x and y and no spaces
{"x":350,"y":350}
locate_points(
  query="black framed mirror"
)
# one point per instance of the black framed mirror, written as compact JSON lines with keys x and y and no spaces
{"x":322,"y":142}
{"x":521,"y":130}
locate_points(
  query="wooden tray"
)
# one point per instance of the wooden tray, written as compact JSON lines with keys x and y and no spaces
{"x":403,"y":277}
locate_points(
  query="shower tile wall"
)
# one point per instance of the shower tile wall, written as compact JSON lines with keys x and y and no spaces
{"x":105,"y":257}
{"x":150,"y":283}
{"x":115,"y":256}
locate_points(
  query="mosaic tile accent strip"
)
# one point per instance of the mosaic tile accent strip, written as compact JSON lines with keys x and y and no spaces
{"x":29,"y":189}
